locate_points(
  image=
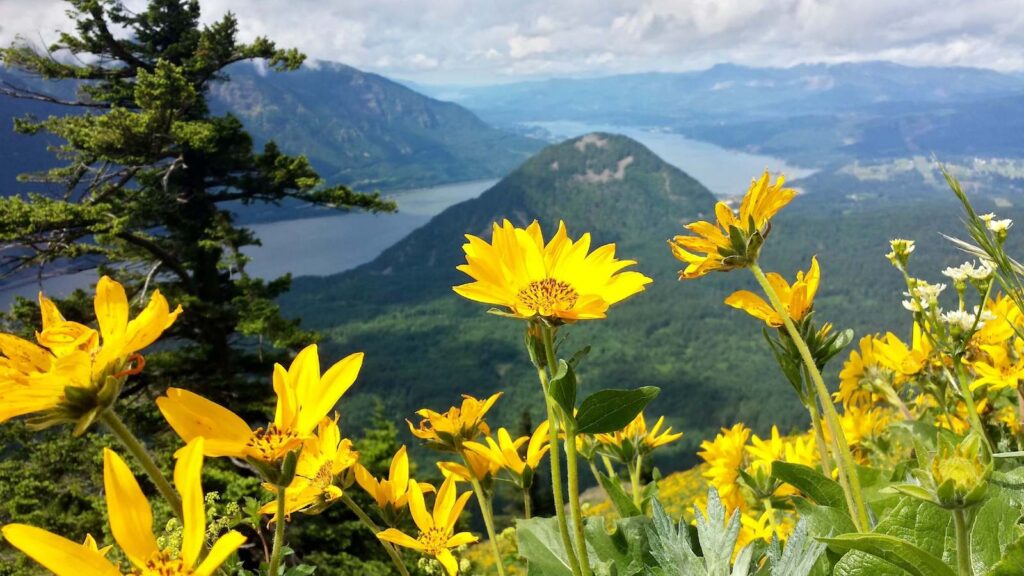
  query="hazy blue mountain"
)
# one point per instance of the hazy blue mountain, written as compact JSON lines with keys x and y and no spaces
{"x":728,"y":91}
{"x":357,"y":128}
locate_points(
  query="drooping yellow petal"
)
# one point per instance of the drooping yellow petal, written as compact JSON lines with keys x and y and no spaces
{"x":57,"y":554}
{"x":447,"y":559}
{"x":188,"y":479}
{"x":154,"y":319}
{"x":221,"y":550}
{"x":397,"y":537}
{"x":131,"y":519}
{"x":111,"y":304}
{"x":191,"y":415}
{"x":755,"y":306}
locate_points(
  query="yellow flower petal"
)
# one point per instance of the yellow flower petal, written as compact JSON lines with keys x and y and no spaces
{"x":131,"y":519}
{"x":191,"y":415}
{"x":322,"y":396}
{"x":418,"y":508}
{"x":111,"y":304}
{"x":221,"y":550}
{"x":402,"y":539}
{"x":57,"y":554}
{"x":188,"y":479}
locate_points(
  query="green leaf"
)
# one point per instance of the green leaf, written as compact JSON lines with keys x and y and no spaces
{"x":823,"y":520}
{"x":923,"y":524}
{"x":812,"y":483}
{"x":623,"y":502}
{"x":893,"y":550}
{"x":1012,"y":562}
{"x":610,"y":410}
{"x":994,"y":530}
{"x":914,"y":491}
{"x":622,"y":552}
{"x":562,"y":388}
{"x":671,"y":546}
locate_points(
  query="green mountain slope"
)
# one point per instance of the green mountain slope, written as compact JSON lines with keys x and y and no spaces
{"x":425,"y":345}
{"x":367,"y":131}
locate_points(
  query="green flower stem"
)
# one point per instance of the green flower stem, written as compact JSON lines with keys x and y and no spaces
{"x":277,"y":552}
{"x":396,"y":558}
{"x":963,"y":542}
{"x":819,"y":436}
{"x":597,"y":478}
{"x":485,"y":511}
{"x":527,"y":504}
{"x":556,"y":470}
{"x":968,"y":395}
{"x":608,"y":466}
{"x":844,"y":458}
{"x":132,"y":444}
{"x":634,"y":480}
{"x":572,"y":461}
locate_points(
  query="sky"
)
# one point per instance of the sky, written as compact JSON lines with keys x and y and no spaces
{"x":495,"y":41}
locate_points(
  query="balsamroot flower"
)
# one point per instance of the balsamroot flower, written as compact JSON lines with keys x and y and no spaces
{"x":504,"y":452}
{"x":734,"y":240}
{"x":131,"y":523}
{"x":725,"y":456}
{"x":797,"y":299}
{"x":636,"y":439}
{"x":75,"y":372}
{"x":392,"y":493}
{"x":558,"y":281}
{"x":304,"y":398}
{"x":323,"y":459}
{"x":437,"y":531}
{"x":478,"y":467}
{"x":447,"y":431}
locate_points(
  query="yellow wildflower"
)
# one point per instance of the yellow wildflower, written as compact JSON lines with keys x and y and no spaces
{"x":558,"y":281}
{"x":323,"y":458}
{"x":859,"y":371}
{"x":725,"y":455}
{"x":797,"y":299}
{"x":1000,"y":372}
{"x":304,"y":398}
{"x":446,"y":431}
{"x":392,"y":493}
{"x":131,"y":523}
{"x":75,"y":372}
{"x":862,"y":424}
{"x":1001,"y":328}
{"x":504,"y":452}
{"x":636,"y":438}
{"x":437,"y":531}
{"x":480,"y":468}
{"x":713,"y":247}
{"x":906,"y":362}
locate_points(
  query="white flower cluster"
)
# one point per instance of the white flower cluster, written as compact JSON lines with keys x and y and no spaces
{"x":968,"y":271}
{"x":996,"y":226}
{"x":923,"y":296}
{"x":965,"y":320}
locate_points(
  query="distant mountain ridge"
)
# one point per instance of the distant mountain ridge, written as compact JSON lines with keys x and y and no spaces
{"x":357,"y":128}
{"x":730,"y":90}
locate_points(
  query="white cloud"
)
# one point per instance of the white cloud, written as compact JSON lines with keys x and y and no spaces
{"x":471,"y":41}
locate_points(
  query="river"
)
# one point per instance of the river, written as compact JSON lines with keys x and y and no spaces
{"x":330,"y":244}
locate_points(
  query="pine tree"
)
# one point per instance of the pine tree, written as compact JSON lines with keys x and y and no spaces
{"x":148,"y":172}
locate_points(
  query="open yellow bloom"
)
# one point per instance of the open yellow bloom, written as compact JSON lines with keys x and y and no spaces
{"x":480,"y":468}
{"x":323,"y":458}
{"x":797,"y":299}
{"x":1001,"y":328}
{"x":636,"y":438}
{"x":859,"y":371}
{"x":733,"y":241}
{"x":904,"y":361}
{"x":76,"y":372}
{"x":447,"y":431}
{"x":504,"y":453}
{"x":392,"y":493}
{"x":437,"y":531}
{"x":304,"y":398}
{"x":131,"y":523}
{"x":725,"y":455}
{"x":1001,"y":371}
{"x":558,"y":281}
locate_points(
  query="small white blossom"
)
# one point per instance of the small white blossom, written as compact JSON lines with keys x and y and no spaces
{"x":999,"y":226}
{"x":958,"y":273}
{"x":987,"y":217}
{"x":983,"y":272}
{"x":958,"y":319}
{"x":922,"y":296}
